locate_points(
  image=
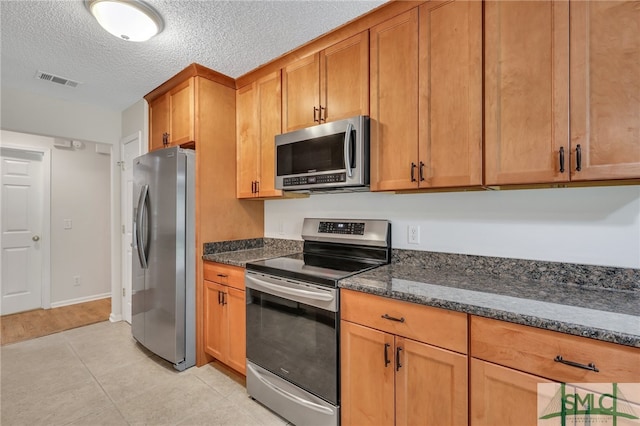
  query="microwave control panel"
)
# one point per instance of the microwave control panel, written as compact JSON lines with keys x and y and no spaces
{"x":309,"y":180}
{"x":351,"y":228}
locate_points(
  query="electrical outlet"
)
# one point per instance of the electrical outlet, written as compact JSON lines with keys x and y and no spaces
{"x":413,"y":236}
{"x":76,"y":280}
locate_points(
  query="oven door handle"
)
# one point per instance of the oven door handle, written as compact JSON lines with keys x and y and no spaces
{"x":290,"y":396}
{"x":279,"y":290}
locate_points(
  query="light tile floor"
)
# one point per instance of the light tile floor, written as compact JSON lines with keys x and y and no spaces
{"x":99,"y":375}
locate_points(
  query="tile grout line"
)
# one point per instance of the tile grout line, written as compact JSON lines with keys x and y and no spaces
{"x":64,"y":333}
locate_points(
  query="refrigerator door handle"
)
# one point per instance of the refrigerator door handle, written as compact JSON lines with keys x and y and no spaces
{"x":141,"y":229}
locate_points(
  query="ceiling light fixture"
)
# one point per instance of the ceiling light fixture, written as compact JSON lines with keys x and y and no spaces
{"x":131,"y":20}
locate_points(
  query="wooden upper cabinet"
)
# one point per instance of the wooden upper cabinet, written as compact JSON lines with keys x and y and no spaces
{"x":605,"y":89}
{"x":247,"y":141}
{"x":301,"y":93}
{"x":450,"y":129}
{"x":394,"y":103}
{"x":258,"y":110}
{"x":182,"y":113}
{"x":270,"y":118}
{"x":426,"y":98}
{"x":327,"y":86}
{"x":158,"y":122}
{"x":172,"y":116}
{"x":344,"y":79}
{"x":526,"y":91}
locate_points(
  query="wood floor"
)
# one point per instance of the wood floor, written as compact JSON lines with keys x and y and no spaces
{"x":41,"y":322}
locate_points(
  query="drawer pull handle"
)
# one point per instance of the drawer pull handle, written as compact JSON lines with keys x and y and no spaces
{"x":386,"y":316}
{"x":591,"y":366}
{"x":222,"y":275}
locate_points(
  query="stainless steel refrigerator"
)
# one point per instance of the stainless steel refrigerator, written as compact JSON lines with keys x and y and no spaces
{"x":163,"y":285}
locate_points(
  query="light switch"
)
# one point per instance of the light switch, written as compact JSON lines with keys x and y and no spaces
{"x":67,"y":224}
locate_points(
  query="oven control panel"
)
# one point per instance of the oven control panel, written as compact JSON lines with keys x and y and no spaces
{"x":349,"y":228}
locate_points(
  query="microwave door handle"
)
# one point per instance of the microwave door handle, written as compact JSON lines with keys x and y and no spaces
{"x":347,"y":149}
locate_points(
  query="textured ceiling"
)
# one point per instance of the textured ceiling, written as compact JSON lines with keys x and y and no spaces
{"x":233,"y":37}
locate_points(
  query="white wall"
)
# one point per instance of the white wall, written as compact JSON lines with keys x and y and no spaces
{"x":136,"y":119}
{"x":80,"y":191}
{"x":597,"y":226}
{"x":30,"y":113}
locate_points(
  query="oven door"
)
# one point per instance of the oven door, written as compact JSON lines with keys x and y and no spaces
{"x":292,"y":331}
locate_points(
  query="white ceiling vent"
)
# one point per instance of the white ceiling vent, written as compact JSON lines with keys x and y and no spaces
{"x":40,"y":75}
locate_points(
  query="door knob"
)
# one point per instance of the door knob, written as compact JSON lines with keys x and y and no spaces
{"x":35,"y":238}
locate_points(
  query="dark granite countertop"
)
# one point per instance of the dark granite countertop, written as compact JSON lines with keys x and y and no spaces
{"x":240,"y":252}
{"x":597,"y":312}
{"x":242,"y":257}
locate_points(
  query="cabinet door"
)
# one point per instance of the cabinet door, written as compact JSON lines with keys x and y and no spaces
{"x":450,"y":94}
{"x":344,"y":79}
{"x":394,"y":103}
{"x":159,"y":121}
{"x":236,"y":316}
{"x":248,"y":143}
{"x":215,"y":321}
{"x":301,"y":93}
{"x":502,"y":396}
{"x":182,"y":113}
{"x":367,"y":383}
{"x":270,"y":119}
{"x":605,"y":89}
{"x":431,"y":385}
{"x":526,"y":91}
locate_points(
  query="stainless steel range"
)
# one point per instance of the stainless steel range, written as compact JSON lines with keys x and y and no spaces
{"x":293,"y":319}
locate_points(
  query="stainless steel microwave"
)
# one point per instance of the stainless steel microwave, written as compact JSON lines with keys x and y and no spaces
{"x":330,"y":156}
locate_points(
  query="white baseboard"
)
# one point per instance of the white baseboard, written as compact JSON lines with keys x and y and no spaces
{"x":115,"y":317}
{"x":80,"y":300}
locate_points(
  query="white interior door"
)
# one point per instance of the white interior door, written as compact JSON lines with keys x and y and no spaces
{"x":22,"y":230}
{"x":130,"y":148}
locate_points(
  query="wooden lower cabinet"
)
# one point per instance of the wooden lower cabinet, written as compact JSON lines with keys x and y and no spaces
{"x":503,"y":396}
{"x":225,"y":315}
{"x":389,"y":379}
{"x":431,"y":385}
{"x":367,"y":379}
{"x":510,"y":360}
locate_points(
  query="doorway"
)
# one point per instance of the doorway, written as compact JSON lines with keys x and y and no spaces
{"x":130,"y":148}
{"x":25,"y":228}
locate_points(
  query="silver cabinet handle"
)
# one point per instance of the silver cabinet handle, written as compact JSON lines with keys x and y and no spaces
{"x":36,"y":238}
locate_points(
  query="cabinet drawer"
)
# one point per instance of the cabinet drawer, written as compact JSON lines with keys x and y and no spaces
{"x":230,"y":275}
{"x":439,"y":327}
{"x":533,"y":350}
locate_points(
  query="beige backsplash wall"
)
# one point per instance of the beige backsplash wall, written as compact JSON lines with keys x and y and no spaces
{"x":596,"y":226}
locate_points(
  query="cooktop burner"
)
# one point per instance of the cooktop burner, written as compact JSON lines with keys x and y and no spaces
{"x":307,"y":267}
{"x":333,"y":249}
